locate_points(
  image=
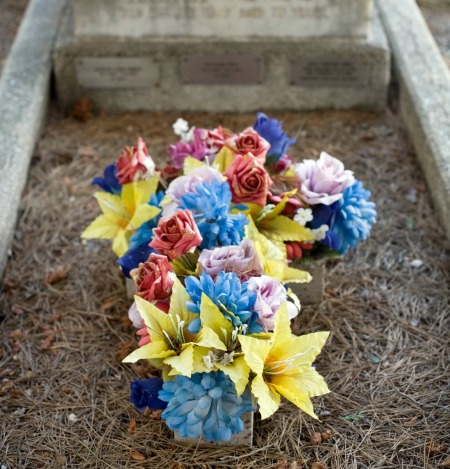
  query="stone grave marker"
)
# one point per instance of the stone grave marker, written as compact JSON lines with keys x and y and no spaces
{"x":222,"y":55}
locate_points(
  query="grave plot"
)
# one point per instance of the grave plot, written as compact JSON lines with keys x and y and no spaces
{"x":64,"y":391}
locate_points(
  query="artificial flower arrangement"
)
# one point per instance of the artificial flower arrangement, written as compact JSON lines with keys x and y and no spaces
{"x":207,"y":241}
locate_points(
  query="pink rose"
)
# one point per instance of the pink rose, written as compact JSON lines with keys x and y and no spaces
{"x":154,"y":278}
{"x":247,"y":142}
{"x":270,"y":293}
{"x":248,"y":180}
{"x":241,"y":259}
{"x":135,"y":163}
{"x":215,"y":139}
{"x":176,"y":235}
{"x":323,"y":181}
{"x":291,"y":207}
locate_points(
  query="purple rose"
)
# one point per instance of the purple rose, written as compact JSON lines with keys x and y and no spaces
{"x":197,"y":148}
{"x":323,"y":181}
{"x":184,"y":184}
{"x":271,"y":130}
{"x":241,"y":259}
{"x":270,"y":294}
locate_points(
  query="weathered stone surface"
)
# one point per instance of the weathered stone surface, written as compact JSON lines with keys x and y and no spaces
{"x":424,"y":81}
{"x":221,"y":18}
{"x":234,"y":75}
{"x":24,"y":88}
{"x":311,"y":293}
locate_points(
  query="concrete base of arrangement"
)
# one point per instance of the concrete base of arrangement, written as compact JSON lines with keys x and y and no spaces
{"x":287,"y":74}
{"x":24,"y":90}
{"x":424,"y":81}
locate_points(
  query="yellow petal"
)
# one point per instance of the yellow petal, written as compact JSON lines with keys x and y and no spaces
{"x":143,"y":213}
{"x":183,"y":363}
{"x":300,"y":389}
{"x":191,"y":163}
{"x":208,"y":338}
{"x":280,"y":206}
{"x":158,"y":349}
{"x":238,"y":371}
{"x":111,"y":206}
{"x":198,"y":361}
{"x":101,"y":228}
{"x":155,"y":319}
{"x":211,"y":317}
{"x":291,"y":275}
{"x":223,"y":159}
{"x":268,"y":397}
{"x":281,"y":228}
{"x":294,"y":298}
{"x":121,"y":242}
{"x":255,"y":352}
{"x":306,"y":347}
{"x":178,"y":301}
{"x":282,"y":329}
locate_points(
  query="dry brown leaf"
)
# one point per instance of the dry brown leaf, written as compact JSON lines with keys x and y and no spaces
{"x":327,"y":434}
{"x":411,"y":422}
{"x":48,"y":342}
{"x":16,"y":334}
{"x":60,"y":459}
{"x":445,"y":463}
{"x":82,"y":110}
{"x":132,"y":426}
{"x":16,"y":393}
{"x":315,"y":439}
{"x":16,"y":309}
{"x":137,"y":456}
{"x":433,"y":447}
{"x":318,"y":465}
{"x":281,"y":464}
{"x":69,"y":184}
{"x":54,"y":277}
{"x":108,"y":304}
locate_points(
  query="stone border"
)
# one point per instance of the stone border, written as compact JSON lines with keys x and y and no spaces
{"x":24,"y":91}
{"x":424,"y":81}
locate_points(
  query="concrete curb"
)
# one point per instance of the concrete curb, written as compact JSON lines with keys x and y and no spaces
{"x":424,"y":95}
{"x":24,"y":90}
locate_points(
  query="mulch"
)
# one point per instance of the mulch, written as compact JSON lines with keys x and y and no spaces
{"x":64,"y":327}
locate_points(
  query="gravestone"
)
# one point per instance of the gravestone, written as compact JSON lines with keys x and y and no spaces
{"x":222,"y":55}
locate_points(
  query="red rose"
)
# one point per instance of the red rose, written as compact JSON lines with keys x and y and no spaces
{"x":250,"y":141}
{"x":176,"y":235}
{"x":248,"y":180}
{"x":154,"y":278}
{"x":134,"y":163}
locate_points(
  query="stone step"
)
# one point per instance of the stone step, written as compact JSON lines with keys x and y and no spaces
{"x":221,"y":18}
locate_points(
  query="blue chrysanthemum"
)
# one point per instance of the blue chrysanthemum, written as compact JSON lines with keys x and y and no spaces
{"x":109,"y":181}
{"x":271,"y":130}
{"x":145,"y":394}
{"x":229,"y":294}
{"x":144,"y":234}
{"x":205,"y":404}
{"x":210,"y":208}
{"x":350,"y":218}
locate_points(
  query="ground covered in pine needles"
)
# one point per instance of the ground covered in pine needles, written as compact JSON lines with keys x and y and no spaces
{"x":64,"y":327}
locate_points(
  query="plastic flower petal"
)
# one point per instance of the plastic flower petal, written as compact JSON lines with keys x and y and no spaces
{"x":205,"y":404}
{"x":109,"y":182}
{"x":144,"y":394}
{"x":124,"y":214}
{"x":282,"y":366}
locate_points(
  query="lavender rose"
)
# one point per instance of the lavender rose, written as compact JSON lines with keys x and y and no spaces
{"x":323,"y":181}
{"x":270,"y":293}
{"x":185,"y":184}
{"x":241,"y":259}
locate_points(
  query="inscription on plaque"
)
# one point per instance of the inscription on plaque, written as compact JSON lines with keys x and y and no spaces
{"x":330,"y":72}
{"x":116,"y":72}
{"x":222,"y":70}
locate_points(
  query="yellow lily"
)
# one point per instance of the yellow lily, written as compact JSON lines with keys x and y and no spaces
{"x":123,"y":214}
{"x":282,"y":366}
{"x":220,"y":354}
{"x":273,"y":257}
{"x":172,"y":345}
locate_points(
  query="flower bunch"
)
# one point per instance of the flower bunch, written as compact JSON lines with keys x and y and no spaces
{"x":208,"y":240}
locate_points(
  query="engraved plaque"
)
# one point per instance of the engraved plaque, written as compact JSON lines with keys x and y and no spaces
{"x":222,"y":70}
{"x":117,"y":72}
{"x":330,"y":72}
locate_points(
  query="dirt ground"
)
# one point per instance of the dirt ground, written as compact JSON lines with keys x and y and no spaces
{"x":64,"y":391}
{"x":438,"y":20}
{"x":11,"y":12}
